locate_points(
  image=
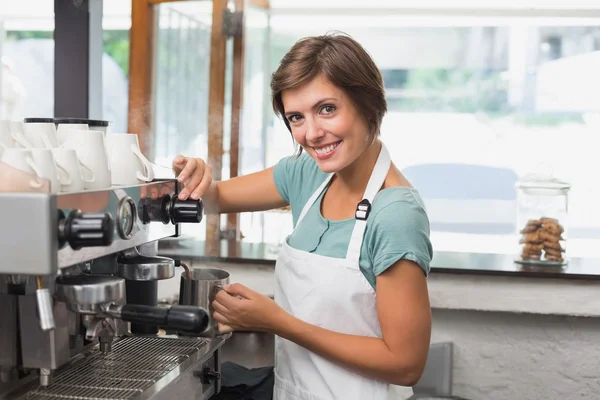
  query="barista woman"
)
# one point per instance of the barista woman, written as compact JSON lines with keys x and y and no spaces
{"x":351,"y":310}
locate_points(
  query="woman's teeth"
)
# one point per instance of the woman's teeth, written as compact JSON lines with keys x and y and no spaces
{"x":325,"y":150}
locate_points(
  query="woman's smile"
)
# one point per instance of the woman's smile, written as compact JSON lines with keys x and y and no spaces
{"x":327,"y":151}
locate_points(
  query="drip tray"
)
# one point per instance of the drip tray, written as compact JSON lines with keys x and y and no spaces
{"x":133,"y":366}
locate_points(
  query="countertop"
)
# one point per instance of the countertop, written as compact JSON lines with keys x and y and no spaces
{"x":452,"y":291}
{"x":443,"y":261}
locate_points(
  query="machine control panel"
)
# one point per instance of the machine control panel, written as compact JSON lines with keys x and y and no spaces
{"x":65,"y":229}
{"x":131,"y":215}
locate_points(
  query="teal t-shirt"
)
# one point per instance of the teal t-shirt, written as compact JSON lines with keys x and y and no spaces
{"x":397,"y":227}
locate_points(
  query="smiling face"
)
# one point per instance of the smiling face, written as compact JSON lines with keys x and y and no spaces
{"x":325,"y":122}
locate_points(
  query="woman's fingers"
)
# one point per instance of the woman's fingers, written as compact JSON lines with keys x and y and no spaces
{"x":220,"y":317}
{"x":190,"y":176}
{"x":224,"y":328}
{"x":204,"y":183}
{"x":190,"y":167}
{"x":218,"y":307}
{"x":178,"y":164}
{"x":194,"y":174}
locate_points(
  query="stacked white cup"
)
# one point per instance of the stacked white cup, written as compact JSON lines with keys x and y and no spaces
{"x":72,"y":156}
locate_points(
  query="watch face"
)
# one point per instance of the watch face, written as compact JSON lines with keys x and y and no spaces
{"x":126,"y":218}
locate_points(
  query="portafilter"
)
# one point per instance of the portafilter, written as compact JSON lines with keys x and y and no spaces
{"x":102,"y":296}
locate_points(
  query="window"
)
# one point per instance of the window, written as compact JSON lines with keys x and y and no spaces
{"x":27,"y":60}
{"x":475,"y":103}
{"x":116,"y":21}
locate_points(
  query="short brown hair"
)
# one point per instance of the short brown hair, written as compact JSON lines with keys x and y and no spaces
{"x":344,"y":63}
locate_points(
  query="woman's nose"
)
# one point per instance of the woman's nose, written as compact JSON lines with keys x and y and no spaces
{"x":314,"y":132}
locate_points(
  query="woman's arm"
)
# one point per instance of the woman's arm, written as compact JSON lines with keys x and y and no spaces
{"x":404,"y":315}
{"x":252,"y":192}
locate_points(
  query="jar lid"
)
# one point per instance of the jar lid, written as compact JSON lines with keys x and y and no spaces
{"x":89,"y":122}
{"x":65,"y":120}
{"x":38,"y":120}
{"x":540,"y":181}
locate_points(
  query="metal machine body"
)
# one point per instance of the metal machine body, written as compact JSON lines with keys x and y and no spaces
{"x":79,"y":303}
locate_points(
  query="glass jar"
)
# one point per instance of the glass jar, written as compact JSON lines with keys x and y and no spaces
{"x":542,"y":220}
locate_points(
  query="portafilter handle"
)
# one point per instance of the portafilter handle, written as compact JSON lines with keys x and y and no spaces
{"x":190,"y":319}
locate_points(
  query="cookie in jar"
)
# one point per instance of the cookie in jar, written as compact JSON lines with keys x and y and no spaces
{"x":542,"y":215}
{"x":542,"y":240}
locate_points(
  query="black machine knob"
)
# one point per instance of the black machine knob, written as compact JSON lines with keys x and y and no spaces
{"x":207,"y":375}
{"x":186,"y":211}
{"x":170,"y":209}
{"x":86,"y":230}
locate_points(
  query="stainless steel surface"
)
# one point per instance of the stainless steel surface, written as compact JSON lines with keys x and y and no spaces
{"x":250,"y":349}
{"x":30,"y":226}
{"x":201,"y":291}
{"x":108,"y":201}
{"x":45,"y":377}
{"x":28,"y":233}
{"x":43,"y":349}
{"x":133,"y":266}
{"x":44,"y":363}
{"x":132,"y":371}
{"x":102,"y":327}
{"x":88,"y":291}
{"x":44,"y":303}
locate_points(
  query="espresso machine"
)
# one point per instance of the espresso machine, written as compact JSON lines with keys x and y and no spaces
{"x":78,"y":298}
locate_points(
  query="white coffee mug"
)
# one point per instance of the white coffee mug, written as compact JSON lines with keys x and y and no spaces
{"x":40,"y":134}
{"x":69,"y":171}
{"x":16,"y":132}
{"x":91,"y":152}
{"x":22,"y":160}
{"x":127,"y":163}
{"x":44,"y":159}
{"x":6,"y":139}
{"x":62,"y":129}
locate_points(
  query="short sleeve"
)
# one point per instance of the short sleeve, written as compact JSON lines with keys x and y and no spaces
{"x":296,"y":178}
{"x":400,"y":230}
{"x":281,"y":175}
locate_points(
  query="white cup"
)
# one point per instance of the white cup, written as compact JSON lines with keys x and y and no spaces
{"x":40,"y":135}
{"x":22,"y":160}
{"x":6,"y":139}
{"x":44,"y":160}
{"x":127,"y":163}
{"x":69,"y":171}
{"x":61,"y":131}
{"x":103,"y":129}
{"x":11,"y":135}
{"x":91,"y":152}
{"x":16,"y":131}
{"x":16,"y":126}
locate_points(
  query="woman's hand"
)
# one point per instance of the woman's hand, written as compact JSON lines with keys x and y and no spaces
{"x":240,"y":308}
{"x":195,"y":174}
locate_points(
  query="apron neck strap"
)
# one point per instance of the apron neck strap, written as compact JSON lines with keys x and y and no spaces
{"x":380,"y":171}
{"x":378,"y":175}
{"x":314,"y":198}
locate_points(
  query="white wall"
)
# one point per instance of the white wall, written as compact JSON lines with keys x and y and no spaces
{"x":505,"y":356}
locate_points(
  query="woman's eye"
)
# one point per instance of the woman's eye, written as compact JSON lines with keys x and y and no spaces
{"x":293,"y":118}
{"x":328,"y":109}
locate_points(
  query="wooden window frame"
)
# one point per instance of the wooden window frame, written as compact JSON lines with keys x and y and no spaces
{"x":142,"y":37}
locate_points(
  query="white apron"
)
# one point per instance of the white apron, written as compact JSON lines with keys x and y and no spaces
{"x":334,"y":294}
